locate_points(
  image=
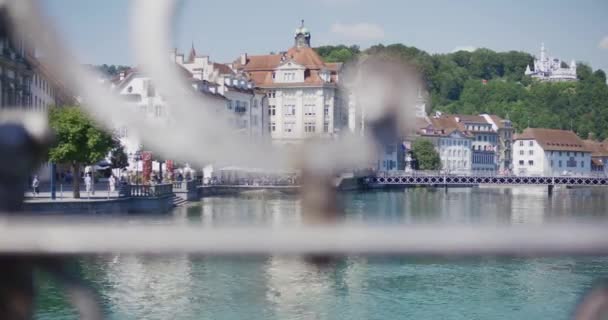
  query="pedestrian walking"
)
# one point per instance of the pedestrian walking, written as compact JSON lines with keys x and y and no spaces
{"x":36,"y":186}
{"x":87,"y":183}
{"x":112,"y":182}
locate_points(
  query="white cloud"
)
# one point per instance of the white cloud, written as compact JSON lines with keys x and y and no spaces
{"x":358,"y":31}
{"x":603,"y":43}
{"x":464,"y":48}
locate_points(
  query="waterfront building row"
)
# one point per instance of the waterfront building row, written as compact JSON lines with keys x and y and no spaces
{"x":477,"y":144}
{"x":487,"y":144}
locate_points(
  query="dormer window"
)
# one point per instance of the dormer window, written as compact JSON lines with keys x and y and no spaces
{"x":324,"y":74}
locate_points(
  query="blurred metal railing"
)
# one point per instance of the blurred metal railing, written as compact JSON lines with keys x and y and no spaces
{"x":30,"y":244}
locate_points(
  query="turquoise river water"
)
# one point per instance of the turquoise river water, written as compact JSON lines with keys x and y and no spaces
{"x":189,"y":287}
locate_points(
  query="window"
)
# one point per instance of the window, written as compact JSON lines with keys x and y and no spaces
{"x":289,"y":110}
{"x":551,"y":163}
{"x":531,"y":143}
{"x":568,"y":153}
{"x":560,"y":154}
{"x":272,"y":93}
{"x":582,"y":164}
{"x":389,"y":149}
{"x":531,"y":152}
{"x":289,"y":76}
{"x":309,"y":127}
{"x":485,"y":138}
{"x":255,"y":103}
{"x":521,"y":152}
{"x":326,"y":127}
{"x":158,"y":110}
{"x":309,"y":109}
{"x":326,"y":111}
{"x":521,"y":143}
{"x":559,"y":163}
{"x":288,"y":126}
{"x":521,"y":162}
{"x":273,"y":126}
{"x":254,"y":120}
{"x":151,"y":92}
{"x":272,"y":110}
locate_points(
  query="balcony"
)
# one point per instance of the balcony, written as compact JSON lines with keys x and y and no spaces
{"x":240,"y":109}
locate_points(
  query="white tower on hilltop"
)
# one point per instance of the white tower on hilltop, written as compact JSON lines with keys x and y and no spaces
{"x":548,"y":68}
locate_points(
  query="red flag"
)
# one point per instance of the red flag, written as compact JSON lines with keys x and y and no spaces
{"x":147,"y":166}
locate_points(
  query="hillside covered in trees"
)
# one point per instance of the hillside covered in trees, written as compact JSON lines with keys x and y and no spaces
{"x":485,"y":81}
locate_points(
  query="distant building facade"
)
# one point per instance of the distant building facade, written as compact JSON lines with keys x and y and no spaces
{"x":453,"y":145}
{"x":248,"y":104}
{"x":15,"y":71}
{"x":548,"y":68}
{"x":139,"y":91}
{"x":505,"y":131}
{"x":599,"y":156}
{"x":304,"y":99}
{"x":550,"y":152}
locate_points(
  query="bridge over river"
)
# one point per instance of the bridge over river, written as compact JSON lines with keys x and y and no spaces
{"x":461,"y":181}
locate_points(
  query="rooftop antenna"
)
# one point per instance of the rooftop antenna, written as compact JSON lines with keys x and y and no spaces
{"x":302,"y":25}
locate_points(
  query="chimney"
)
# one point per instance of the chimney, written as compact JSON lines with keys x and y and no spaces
{"x":244,"y":59}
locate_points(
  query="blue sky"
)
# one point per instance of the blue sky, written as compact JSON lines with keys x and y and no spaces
{"x":98,"y":31}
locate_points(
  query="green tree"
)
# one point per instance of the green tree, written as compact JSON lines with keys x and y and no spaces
{"x":425,"y":156}
{"x":118,"y":157}
{"x":112,"y":70}
{"x":455,"y":85}
{"x":339,"y":53}
{"x":79,"y":141}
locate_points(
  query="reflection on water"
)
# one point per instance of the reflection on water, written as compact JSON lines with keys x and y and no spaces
{"x":186,"y":287}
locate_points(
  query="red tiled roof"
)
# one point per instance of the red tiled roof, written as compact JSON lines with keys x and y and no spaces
{"x":222,"y":68}
{"x":442,"y":126}
{"x":470,"y":118}
{"x":259,"y":68}
{"x":500,"y":122}
{"x":598,"y":149}
{"x":553,"y":139}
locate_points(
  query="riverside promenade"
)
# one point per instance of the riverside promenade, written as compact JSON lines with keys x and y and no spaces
{"x":130,"y":199}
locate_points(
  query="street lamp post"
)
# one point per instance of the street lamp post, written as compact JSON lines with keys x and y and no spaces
{"x":53,"y":182}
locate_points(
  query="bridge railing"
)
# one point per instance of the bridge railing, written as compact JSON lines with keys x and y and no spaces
{"x":428,"y":173}
{"x":477,"y":180}
{"x":143,"y":191}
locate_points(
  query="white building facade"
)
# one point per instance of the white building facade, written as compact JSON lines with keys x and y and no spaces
{"x":549,"y":152}
{"x":140,"y":93}
{"x":248,"y":105}
{"x":548,"y":68}
{"x":454,"y":149}
{"x":303,"y":96}
{"x":453,"y":145}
